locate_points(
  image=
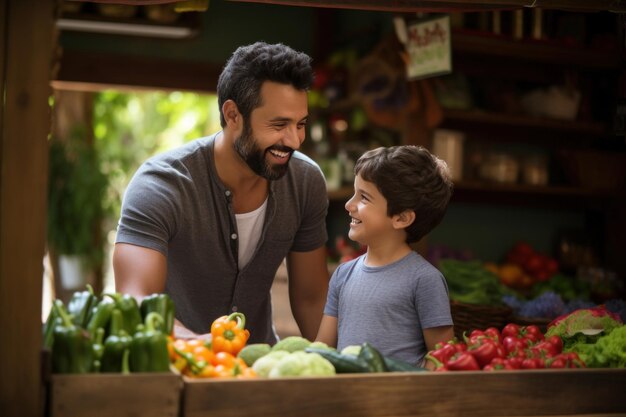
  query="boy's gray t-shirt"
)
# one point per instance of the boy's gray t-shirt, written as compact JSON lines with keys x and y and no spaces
{"x":177,"y":205}
{"x":388,"y":306}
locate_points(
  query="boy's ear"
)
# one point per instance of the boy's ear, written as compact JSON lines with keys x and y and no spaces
{"x":231,"y":114}
{"x":404,"y":219}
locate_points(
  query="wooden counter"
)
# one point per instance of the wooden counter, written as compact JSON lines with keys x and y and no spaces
{"x":467,"y":394}
{"x":569,"y":392}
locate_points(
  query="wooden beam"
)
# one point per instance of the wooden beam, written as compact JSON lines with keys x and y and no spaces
{"x":27,"y":28}
{"x":411,"y":6}
{"x":88,"y":71}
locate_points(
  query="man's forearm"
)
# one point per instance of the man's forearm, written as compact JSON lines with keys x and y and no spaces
{"x":308,"y":316}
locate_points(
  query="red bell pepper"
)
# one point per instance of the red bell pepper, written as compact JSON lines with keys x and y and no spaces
{"x":491,"y":333}
{"x":531,"y":332}
{"x":484,"y":351}
{"x":444,"y":352}
{"x":463,"y":361}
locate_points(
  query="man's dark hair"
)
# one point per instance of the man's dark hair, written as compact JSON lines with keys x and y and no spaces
{"x":251,"y":65}
{"x":410,"y":178}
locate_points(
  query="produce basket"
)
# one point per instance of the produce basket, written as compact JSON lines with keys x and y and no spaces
{"x":468,"y":317}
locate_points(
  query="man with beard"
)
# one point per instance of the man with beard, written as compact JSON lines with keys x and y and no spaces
{"x":210,"y":222}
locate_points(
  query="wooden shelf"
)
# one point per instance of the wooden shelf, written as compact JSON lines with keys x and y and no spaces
{"x":464,"y":42}
{"x":506,"y":120}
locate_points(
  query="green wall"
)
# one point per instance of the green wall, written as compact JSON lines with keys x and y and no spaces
{"x":225,"y":26}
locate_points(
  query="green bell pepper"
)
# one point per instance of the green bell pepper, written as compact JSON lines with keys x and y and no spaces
{"x":148,"y":349}
{"x":115,"y":345}
{"x":98,"y":349}
{"x":48,"y":328}
{"x":101,"y":316}
{"x":80,"y":305}
{"x":72,"y":350}
{"x":129,"y":308}
{"x":162,"y":304}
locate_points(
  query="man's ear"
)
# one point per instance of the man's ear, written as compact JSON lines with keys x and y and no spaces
{"x":231,"y":114}
{"x":404,"y":219}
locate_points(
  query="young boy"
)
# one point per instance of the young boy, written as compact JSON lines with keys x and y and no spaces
{"x":390,"y":296}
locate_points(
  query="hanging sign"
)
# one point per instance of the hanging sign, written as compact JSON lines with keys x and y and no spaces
{"x":428,"y":47}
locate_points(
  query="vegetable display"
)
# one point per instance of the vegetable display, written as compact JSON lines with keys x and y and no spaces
{"x":105,"y":334}
{"x":72,"y":347}
{"x":471,"y":283}
{"x":216,"y":358}
{"x":515,"y":347}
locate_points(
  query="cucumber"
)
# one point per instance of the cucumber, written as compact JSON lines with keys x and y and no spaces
{"x":372,"y":358}
{"x":396,"y":365}
{"x":344,"y":364}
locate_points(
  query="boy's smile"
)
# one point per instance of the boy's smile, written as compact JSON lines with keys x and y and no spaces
{"x":368,"y":212}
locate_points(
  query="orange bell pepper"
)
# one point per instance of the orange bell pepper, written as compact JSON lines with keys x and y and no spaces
{"x":229,"y":334}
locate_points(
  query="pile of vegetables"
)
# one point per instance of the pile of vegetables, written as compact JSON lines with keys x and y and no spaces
{"x":296,"y":356}
{"x":109,"y":333}
{"x":471,"y":283}
{"x":516,"y":347}
{"x":215,"y":358}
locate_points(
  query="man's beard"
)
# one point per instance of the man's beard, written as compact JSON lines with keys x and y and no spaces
{"x":247,"y":148}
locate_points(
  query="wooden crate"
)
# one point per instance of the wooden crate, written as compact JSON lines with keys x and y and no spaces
{"x":93,"y":395}
{"x":569,"y":392}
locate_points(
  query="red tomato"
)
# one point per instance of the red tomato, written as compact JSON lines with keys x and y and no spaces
{"x":510,"y":329}
{"x":557,"y":342}
{"x":534,"y":264}
{"x":532,"y":332}
{"x":552,"y":266}
{"x":513,"y":344}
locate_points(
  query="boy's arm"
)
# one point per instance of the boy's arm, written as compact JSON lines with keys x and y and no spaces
{"x":328,"y":331}
{"x":435,"y":335}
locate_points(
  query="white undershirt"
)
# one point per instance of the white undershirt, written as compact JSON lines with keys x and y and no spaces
{"x":249,"y":227}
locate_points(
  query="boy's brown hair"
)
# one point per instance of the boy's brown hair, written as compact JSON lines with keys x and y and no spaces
{"x":410,"y":178}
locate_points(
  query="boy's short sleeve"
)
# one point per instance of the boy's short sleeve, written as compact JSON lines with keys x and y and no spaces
{"x":332,"y":299}
{"x":433,"y":303}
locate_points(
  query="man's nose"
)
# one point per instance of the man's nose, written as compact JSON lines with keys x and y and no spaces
{"x":293,"y":137}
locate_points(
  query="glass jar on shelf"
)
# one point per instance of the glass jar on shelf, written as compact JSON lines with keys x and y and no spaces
{"x":500,"y":167}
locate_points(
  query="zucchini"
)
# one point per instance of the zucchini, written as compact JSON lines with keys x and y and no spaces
{"x":344,"y":364}
{"x":396,"y":365}
{"x":372,"y":358}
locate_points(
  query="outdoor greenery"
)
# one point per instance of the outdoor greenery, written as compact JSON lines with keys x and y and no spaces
{"x":76,"y":188}
{"x":87,"y":183}
{"x":131,"y":127}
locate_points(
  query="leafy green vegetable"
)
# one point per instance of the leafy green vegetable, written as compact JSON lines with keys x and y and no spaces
{"x":568,"y":288}
{"x":608,"y":352}
{"x":264,"y":365}
{"x":320,"y":345}
{"x":351,"y":350}
{"x":302,"y":364}
{"x":292,"y":344}
{"x":584,"y":326}
{"x":469,"y":282}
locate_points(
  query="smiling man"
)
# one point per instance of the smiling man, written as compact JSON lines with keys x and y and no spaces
{"x":210,"y":222}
